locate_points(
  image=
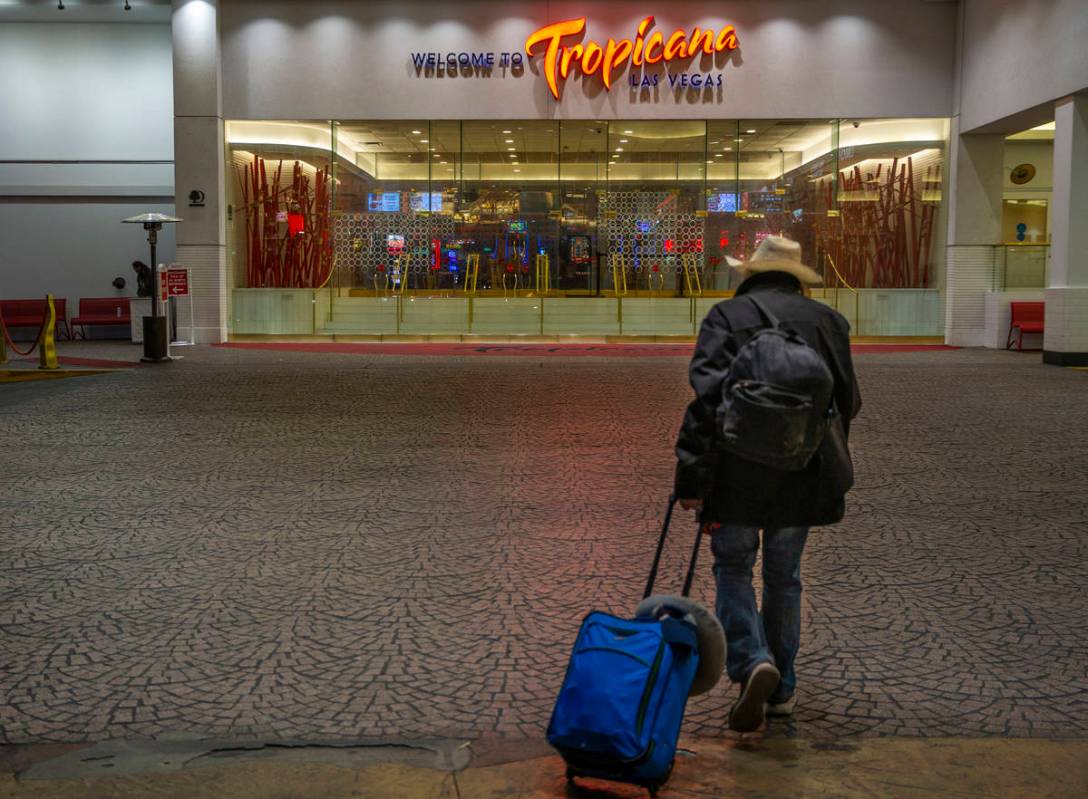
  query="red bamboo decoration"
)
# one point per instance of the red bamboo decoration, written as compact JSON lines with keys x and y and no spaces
{"x":273,"y":257}
{"x":883,"y":236}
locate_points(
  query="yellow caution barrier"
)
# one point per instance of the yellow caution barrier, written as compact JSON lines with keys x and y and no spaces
{"x":48,"y":352}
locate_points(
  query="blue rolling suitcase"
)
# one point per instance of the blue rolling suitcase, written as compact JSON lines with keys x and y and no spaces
{"x":619,"y":711}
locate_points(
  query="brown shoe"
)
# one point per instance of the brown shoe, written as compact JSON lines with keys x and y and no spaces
{"x":747,"y":712}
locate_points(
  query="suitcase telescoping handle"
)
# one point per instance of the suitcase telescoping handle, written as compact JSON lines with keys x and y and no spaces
{"x":661,"y":547}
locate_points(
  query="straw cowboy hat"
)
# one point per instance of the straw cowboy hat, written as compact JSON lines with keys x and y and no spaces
{"x":778,"y":254}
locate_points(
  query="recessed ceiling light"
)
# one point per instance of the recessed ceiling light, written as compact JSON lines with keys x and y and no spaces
{"x":511,"y":149}
{"x":513,"y":156}
{"x":623,"y":141}
{"x":619,"y":149}
{"x":416,"y":132}
{"x":506,"y":131}
{"x":628,"y":132}
{"x":749,"y":131}
{"x":517,"y":170}
{"x":423,"y":141}
{"x":729,"y":148}
{"x":509,"y":141}
{"x":441,"y":162}
{"x":717,"y":155}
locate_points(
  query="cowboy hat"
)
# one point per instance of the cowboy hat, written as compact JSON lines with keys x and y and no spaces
{"x":778,"y":254}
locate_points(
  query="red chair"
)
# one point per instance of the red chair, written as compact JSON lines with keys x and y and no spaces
{"x":31,"y":313}
{"x":1027,"y":317}
{"x":102,"y":311}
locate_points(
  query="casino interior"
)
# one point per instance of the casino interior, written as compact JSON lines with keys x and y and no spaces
{"x":574,"y":227}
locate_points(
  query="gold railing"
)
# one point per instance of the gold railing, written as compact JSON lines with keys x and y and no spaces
{"x":838,"y":274}
{"x":400,"y":266}
{"x":472,"y":273}
{"x":693,"y":278}
{"x":618,"y":271}
{"x":543,"y":273}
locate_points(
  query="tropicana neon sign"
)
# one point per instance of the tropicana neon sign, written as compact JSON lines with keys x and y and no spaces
{"x":592,"y":58}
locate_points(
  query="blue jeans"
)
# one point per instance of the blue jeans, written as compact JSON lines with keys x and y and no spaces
{"x":752,"y":637}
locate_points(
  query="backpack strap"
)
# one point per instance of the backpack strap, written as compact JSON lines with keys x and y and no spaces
{"x":772,"y":320}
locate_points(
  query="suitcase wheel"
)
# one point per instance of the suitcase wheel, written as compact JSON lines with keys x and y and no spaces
{"x":654,"y":787}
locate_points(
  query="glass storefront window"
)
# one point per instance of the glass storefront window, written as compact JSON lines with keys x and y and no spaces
{"x":509,"y":208}
{"x":279,"y":216}
{"x":583,"y":182}
{"x":384,"y":188}
{"x":654,"y":207}
{"x":549,"y":227}
{"x":888,"y":194}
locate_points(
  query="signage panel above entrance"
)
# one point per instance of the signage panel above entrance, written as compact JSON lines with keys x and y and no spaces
{"x":564,"y":51}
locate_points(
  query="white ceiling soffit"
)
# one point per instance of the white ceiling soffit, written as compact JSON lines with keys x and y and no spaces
{"x":360,"y":143}
{"x":142,"y":11}
{"x":1044,"y":132}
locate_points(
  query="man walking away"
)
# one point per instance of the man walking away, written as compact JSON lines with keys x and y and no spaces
{"x":739,"y":496}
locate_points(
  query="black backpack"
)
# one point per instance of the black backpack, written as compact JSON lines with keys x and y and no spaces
{"x":777,"y":398}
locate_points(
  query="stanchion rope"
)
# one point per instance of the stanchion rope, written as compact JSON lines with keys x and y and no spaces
{"x":37,"y":341}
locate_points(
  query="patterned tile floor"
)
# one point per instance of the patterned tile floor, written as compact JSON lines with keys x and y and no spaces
{"x":328,"y":546}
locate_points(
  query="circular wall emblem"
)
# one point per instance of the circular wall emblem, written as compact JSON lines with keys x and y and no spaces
{"x":1022,"y":174}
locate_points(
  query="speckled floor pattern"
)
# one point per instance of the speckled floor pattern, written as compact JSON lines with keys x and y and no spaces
{"x":328,"y":546}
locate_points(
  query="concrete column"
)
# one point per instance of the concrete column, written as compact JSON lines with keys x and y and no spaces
{"x":974,"y":227}
{"x":1065,"y":341}
{"x":198,"y":162}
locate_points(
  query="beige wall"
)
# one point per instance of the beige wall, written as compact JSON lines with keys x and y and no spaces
{"x":1019,"y":54}
{"x":1039,"y":154}
{"x":797,"y":58}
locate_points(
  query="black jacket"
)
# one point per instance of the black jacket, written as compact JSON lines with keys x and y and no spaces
{"x":144,"y":287}
{"x":738,"y":491}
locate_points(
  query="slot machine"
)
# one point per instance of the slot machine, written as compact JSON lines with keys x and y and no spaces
{"x":397,"y":252}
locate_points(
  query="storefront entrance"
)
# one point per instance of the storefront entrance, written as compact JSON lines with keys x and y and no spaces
{"x":577,"y":227}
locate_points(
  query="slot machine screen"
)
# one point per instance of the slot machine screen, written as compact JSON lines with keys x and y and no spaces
{"x":383,"y":202}
{"x":427,"y":201}
{"x":723,"y":203}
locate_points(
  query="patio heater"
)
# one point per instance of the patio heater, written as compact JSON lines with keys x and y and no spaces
{"x":155,"y":347}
